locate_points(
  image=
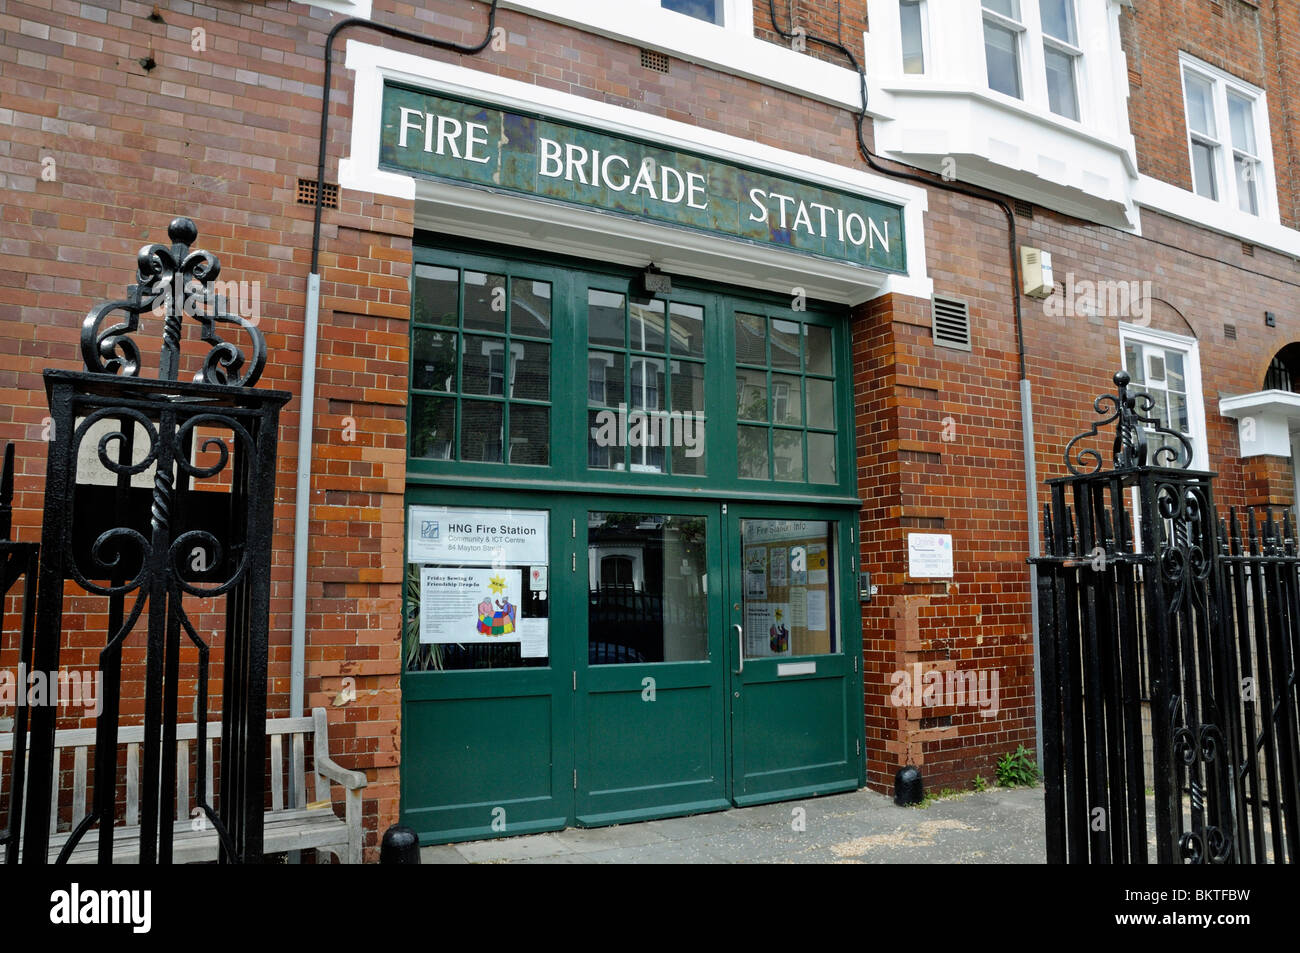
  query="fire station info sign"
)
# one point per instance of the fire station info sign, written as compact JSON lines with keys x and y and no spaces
{"x":436,"y":136}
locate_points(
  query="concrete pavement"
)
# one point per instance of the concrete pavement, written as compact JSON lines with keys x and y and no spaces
{"x":861,"y":827}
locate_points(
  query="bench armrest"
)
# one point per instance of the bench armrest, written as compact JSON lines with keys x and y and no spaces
{"x":352,"y":780}
{"x":326,"y":766}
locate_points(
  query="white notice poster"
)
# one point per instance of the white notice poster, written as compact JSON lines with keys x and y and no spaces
{"x":816,"y":610}
{"x":459,"y":536}
{"x":533,"y":634}
{"x":756,"y":572}
{"x":469,"y":605}
{"x":798,"y":607}
{"x":929,"y":555}
{"x":780,"y":564}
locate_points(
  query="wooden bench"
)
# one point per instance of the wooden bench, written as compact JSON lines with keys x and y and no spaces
{"x":297,"y":826}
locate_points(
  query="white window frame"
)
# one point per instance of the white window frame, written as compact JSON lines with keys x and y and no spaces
{"x":1071,"y":49}
{"x":1189,"y":347}
{"x":923,"y":13}
{"x":1031,"y":46}
{"x":1225,"y":150}
{"x":1018,"y":28}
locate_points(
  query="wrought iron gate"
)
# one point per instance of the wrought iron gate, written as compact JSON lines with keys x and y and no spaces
{"x":159,"y":494}
{"x":1153,"y":610}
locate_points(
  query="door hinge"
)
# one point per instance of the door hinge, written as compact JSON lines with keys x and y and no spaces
{"x":573,"y":529}
{"x":573,"y":562}
{"x":857,"y":747}
{"x":853,"y":563}
{"x":724,"y":509}
{"x":575,"y":779}
{"x":855,"y":663}
{"x":575,"y":679}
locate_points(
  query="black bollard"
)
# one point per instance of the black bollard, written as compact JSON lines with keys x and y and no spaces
{"x":401,"y":845}
{"x":907,"y":786}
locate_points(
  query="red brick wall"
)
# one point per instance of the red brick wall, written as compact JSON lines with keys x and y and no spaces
{"x":1258,"y":43}
{"x":839,"y":21}
{"x":222,"y":135}
{"x":243,"y":132}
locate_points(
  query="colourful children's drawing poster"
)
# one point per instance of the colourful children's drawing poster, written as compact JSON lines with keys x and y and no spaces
{"x":470,"y":605}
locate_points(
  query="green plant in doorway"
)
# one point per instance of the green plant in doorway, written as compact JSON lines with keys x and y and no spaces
{"x":1017,"y":769}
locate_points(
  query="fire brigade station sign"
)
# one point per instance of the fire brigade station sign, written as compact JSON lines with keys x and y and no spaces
{"x":429,"y":135}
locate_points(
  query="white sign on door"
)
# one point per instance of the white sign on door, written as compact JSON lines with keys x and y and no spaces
{"x":459,"y":536}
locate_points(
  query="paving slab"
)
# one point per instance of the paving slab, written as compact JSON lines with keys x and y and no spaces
{"x":858,"y":827}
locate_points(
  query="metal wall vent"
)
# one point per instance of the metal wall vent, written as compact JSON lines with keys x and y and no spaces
{"x":307,"y":193}
{"x":1248,"y":249}
{"x":951,"y":323}
{"x":653,"y":59}
{"x":1230,"y":332}
{"x":1023,"y":209}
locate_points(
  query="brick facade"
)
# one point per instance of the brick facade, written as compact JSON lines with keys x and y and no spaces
{"x":224,"y":134}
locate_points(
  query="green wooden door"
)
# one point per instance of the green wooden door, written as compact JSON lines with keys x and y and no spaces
{"x":546,"y":388}
{"x":651,"y":710}
{"x":795,"y":644}
{"x":487,"y":730}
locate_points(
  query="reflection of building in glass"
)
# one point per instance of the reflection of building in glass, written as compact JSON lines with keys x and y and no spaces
{"x":646,"y":590}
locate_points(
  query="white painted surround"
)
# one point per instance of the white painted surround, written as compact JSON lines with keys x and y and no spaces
{"x":552,"y":226}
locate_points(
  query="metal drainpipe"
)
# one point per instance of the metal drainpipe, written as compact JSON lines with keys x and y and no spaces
{"x":302,"y":499}
{"x":1026,"y":395}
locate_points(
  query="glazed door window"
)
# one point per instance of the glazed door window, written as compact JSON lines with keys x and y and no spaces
{"x":785,"y":400}
{"x":480,"y":367}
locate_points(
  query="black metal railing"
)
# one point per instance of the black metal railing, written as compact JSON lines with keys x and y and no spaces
{"x":18,"y":561}
{"x":158,"y":507}
{"x":1147,"y":599}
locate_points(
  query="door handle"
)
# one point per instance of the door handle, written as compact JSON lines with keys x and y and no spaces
{"x":740,"y":647}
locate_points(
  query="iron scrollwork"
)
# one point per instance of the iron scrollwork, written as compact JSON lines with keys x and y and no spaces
{"x":1130,"y":414}
{"x":177,"y":284}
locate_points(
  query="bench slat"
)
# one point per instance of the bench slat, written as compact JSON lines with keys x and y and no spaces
{"x":132,"y":784}
{"x":72,"y":737}
{"x":54,"y":792}
{"x":277,"y":774}
{"x":208,"y":779}
{"x":182,"y":780}
{"x":299,"y":772}
{"x":78,"y":786}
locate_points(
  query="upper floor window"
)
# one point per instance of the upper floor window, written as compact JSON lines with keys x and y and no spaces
{"x":911,"y":21}
{"x":1061,"y":55}
{"x":1011,"y":34}
{"x":710,"y":11}
{"x":1002,"y":31}
{"x":1226,"y":140}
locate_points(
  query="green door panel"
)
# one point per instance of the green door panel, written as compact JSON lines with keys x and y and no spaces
{"x":489,"y":752}
{"x":650,"y":736}
{"x":517,"y":792}
{"x":793,"y":740}
{"x":796,"y":721}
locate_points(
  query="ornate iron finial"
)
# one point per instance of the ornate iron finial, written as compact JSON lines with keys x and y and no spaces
{"x":173,"y":283}
{"x":1131,"y":427}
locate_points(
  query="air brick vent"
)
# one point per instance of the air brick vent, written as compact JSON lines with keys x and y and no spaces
{"x":654,"y":60}
{"x":307,"y":193}
{"x":951,"y":326}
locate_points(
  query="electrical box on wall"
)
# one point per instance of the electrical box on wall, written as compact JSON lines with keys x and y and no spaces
{"x":1036,"y":271}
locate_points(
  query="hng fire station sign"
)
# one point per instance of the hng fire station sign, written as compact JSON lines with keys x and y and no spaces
{"x":430,"y":135}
